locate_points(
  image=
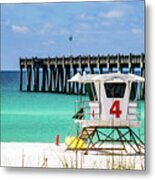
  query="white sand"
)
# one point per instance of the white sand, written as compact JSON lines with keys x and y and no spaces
{"x":51,"y":156}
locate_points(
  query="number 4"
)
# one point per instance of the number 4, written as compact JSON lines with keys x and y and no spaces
{"x":115,"y":109}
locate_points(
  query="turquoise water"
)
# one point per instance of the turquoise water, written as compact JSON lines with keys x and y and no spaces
{"x":36,"y":117}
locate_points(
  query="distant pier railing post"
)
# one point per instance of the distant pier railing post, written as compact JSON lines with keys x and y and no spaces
{"x":53,"y":73}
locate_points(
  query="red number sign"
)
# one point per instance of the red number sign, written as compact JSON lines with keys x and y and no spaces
{"x":115,"y":109}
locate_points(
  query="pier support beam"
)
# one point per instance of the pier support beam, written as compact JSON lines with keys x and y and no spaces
{"x":21,"y":78}
{"x":61,"y":76}
{"x":50,"y":79}
{"x":44,"y":78}
{"x":29,"y":76}
{"x":67,"y":77}
{"x":56,"y":84}
{"x":36,"y":79}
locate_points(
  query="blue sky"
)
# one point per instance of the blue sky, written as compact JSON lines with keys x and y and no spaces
{"x":96,"y":27}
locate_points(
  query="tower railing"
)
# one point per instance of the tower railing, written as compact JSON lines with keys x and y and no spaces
{"x":83,"y":110}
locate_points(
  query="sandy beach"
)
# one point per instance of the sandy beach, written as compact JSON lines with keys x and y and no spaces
{"x":48,"y":155}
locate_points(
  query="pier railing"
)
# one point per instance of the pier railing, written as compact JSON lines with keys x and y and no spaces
{"x":52,"y":74}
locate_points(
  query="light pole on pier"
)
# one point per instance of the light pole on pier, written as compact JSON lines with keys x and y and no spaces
{"x":70,"y":44}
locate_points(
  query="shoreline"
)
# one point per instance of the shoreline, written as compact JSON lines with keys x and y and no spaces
{"x":49,"y":155}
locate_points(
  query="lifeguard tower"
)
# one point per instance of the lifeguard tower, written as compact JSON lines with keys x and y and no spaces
{"x":108,"y":119}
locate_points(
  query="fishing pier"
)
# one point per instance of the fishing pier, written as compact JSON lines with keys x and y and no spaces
{"x":51,"y":74}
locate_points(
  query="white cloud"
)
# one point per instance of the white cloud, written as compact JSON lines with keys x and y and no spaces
{"x":83,"y":27}
{"x":105,"y":23}
{"x":137,"y":30}
{"x":45,"y":28}
{"x":50,"y":42}
{"x":84,"y":16}
{"x":19,"y":29}
{"x":111,"y":14}
{"x":63,"y":31}
{"x":5,"y":23}
{"x":89,"y":32}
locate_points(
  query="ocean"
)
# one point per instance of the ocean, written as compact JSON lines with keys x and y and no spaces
{"x":38,"y":117}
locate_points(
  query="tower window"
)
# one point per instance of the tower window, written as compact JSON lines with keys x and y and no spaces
{"x":115,"y":90}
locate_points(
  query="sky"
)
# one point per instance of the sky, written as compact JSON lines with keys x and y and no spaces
{"x":42,"y":30}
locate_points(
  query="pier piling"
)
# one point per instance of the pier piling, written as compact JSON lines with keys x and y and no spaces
{"x":21,"y":78}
